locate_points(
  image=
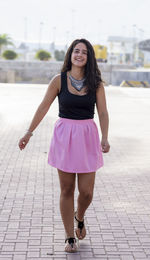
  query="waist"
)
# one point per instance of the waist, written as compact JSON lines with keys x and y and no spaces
{"x":74,"y":121}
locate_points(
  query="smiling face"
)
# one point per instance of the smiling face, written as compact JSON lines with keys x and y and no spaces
{"x":79,"y":55}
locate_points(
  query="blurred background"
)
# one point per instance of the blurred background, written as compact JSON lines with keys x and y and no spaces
{"x":39,"y":32}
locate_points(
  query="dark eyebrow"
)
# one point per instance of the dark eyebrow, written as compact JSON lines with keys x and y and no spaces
{"x":76,"y":49}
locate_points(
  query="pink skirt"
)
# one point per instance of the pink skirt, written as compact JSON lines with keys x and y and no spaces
{"x":75,"y":146}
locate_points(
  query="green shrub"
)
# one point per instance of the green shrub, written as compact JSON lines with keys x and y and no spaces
{"x":9,"y":55}
{"x":43,"y":55}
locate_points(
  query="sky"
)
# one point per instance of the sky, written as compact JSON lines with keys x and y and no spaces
{"x":63,"y":21}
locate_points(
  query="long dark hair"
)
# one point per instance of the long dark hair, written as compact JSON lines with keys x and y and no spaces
{"x":92,"y":72}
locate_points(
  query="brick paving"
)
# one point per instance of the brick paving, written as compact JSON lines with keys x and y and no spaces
{"x":117,"y":221}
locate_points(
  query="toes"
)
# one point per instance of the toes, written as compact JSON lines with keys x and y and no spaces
{"x":69,"y":249}
{"x":79,"y":234}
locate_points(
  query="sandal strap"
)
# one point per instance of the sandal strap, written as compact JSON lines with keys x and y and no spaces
{"x":70,"y":240}
{"x":80,"y":223}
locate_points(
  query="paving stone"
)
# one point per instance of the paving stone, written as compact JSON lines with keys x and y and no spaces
{"x":108,"y":237}
{"x":19,"y":257}
{"x":110,"y":248}
{"x":21,"y":247}
{"x":7,"y":248}
{"x":86,"y":254}
{"x":113,"y":258}
{"x":139,"y":255}
{"x":98,"y":251}
{"x":122,"y":246}
{"x":74,"y":257}
{"x":35,"y":242}
{"x":33,"y":254}
{"x":127,"y":257}
{"x":6,"y":257}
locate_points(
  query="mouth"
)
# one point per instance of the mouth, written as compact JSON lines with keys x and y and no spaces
{"x":79,"y":60}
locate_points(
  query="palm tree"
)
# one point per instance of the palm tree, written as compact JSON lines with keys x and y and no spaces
{"x":4,"y":41}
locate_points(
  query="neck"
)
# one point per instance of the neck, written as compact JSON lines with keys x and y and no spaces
{"x":77,"y":73}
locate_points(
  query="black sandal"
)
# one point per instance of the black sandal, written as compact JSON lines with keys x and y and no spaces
{"x":72,"y":245}
{"x":80,"y":226}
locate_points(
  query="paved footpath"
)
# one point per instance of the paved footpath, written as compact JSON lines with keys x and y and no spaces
{"x":117,"y":221}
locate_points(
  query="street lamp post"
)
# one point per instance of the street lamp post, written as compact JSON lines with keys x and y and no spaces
{"x":25,"y":37}
{"x":25,"y":29}
{"x":53,"y":43}
{"x":67,"y":39}
{"x":73,"y":12}
{"x":40,"y":33}
{"x":134,"y":42}
{"x":99,"y":32}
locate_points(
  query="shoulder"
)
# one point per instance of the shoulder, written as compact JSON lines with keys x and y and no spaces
{"x":101,"y":99}
{"x":55,"y":82}
{"x":56,"y":79}
{"x":100,"y":93}
{"x":100,"y":88}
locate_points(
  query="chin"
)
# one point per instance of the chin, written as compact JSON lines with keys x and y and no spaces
{"x":80,"y":65}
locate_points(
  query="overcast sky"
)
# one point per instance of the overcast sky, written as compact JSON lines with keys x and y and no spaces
{"x":65,"y":20}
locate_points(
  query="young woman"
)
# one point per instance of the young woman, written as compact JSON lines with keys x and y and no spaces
{"x":75,"y":148}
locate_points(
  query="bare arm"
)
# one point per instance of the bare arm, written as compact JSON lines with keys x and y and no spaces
{"x":51,"y":93}
{"x":103,"y":117}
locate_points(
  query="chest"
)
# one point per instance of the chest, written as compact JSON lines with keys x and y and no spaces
{"x":72,"y":90}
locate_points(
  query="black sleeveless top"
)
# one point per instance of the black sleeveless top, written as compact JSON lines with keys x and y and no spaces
{"x":73,"y":106}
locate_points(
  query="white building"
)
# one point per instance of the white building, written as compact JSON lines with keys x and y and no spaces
{"x":121,"y":50}
{"x":144,"y":46}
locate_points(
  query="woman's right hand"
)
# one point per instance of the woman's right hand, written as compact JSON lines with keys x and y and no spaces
{"x":23,"y":141}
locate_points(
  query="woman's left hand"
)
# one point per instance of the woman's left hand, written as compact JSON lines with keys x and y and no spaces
{"x":105,"y":146}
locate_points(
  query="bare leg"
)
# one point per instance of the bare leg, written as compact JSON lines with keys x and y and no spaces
{"x":67,"y":186}
{"x":85,"y":186}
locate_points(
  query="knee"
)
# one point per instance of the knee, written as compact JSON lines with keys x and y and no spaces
{"x":67,"y":191}
{"x":86,"y":195}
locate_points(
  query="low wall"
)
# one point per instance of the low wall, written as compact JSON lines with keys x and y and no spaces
{"x":138,"y":75}
{"x":28,"y":72}
{"x":42,"y":71}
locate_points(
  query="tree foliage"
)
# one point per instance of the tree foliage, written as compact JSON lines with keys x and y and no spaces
{"x":4,"y":41}
{"x":59,"y":55}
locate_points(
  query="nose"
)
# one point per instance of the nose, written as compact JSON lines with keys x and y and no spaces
{"x":79,"y":54}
